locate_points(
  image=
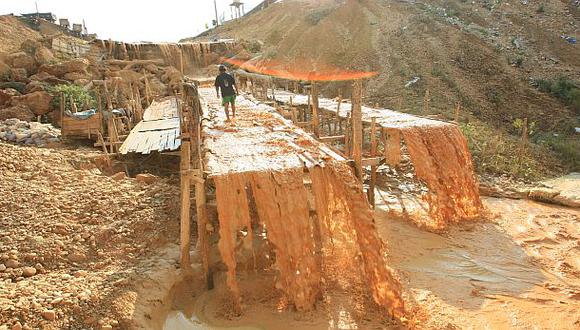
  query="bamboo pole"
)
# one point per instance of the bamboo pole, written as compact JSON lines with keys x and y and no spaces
{"x":373,"y":182}
{"x":357,"y":129}
{"x":202,"y":239}
{"x":315,"y":117}
{"x":185,"y":204}
{"x":62,"y":106}
{"x":426,"y":102}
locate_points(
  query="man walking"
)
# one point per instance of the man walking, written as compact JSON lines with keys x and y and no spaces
{"x":227,"y":84}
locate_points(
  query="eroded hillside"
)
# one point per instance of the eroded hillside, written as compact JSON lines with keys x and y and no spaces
{"x":501,"y":61}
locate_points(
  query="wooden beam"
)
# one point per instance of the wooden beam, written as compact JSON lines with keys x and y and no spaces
{"x":332,"y":138}
{"x":357,"y":128}
{"x":373,"y":161}
{"x":372,"y":184}
{"x":185,"y":204}
{"x":202,"y":236}
{"x":315,"y":118}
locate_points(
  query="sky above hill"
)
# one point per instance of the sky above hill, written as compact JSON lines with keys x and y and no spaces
{"x":131,"y":21}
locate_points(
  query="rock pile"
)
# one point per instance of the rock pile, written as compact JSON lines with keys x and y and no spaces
{"x":28,"y":75}
{"x":73,"y":241}
{"x":15,"y":130}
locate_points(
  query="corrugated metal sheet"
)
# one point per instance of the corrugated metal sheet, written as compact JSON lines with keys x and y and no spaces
{"x":158,"y":131}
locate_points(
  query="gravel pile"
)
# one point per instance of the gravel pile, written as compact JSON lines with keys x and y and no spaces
{"x":33,"y":133}
{"x":73,"y":240}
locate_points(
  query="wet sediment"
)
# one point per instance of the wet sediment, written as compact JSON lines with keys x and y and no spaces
{"x":341,"y":236}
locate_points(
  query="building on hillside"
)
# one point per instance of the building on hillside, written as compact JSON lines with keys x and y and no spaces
{"x":50,"y":17}
{"x":237,"y":9}
{"x":64,"y":23}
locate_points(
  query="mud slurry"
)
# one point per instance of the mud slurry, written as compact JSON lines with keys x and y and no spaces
{"x":338,"y":246}
{"x":516,"y":271}
{"x":442,"y":160}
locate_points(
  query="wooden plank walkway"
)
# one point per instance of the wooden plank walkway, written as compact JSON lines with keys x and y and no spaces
{"x":259,"y":139}
{"x":158,"y":131}
{"x":384,"y":117}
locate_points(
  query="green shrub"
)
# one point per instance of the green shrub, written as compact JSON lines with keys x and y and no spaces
{"x":498,"y":153}
{"x":541,"y":9}
{"x":314,"y":17}
{"x":81,"y":97}
{"x":563,"y":89}
{"x":568,"y":147}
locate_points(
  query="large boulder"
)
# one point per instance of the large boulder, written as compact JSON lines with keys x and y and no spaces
{"x":38,"y":102}
{"x":22,"y":60}
{"x":72,"y":76}
{"x":6,"y":95}
{"x":30,"y":46}
{"x":18,"y":86}
{"x":127,"y":76}
{"x":172,"y":78}
{"x":4,"y":98}
{"x":35,"y":86}
{"x":19,"y":75}
{"x":43,"y":55}
{"x":21,"y":112}
{"x":59,"y":70}
{"x":4,"y":71}
{"x":82,"y":82}
{"x":157,"y":87}
{"x":48,"y":78}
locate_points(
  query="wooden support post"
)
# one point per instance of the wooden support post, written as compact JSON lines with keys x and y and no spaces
{"x":426,"y":102}
{"x":525,"y":131}
{"x":185,"y":203}
{"x":108,"y":97}
{"x":73,"y":105}
{"x":338,"y":113}
{"x":357,"y":128}
{"x":99,"y":102}
{"x":348,"y":135}
{"x":315,"y":118}
{"x":202,"y":237}
{"x":62,"y":106}
{"x":373,"y":182}
{"x":457,"y":110}
{"x":392,"y":145}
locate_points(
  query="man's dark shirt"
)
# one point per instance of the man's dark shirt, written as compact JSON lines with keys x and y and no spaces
{"x":226,"y":83}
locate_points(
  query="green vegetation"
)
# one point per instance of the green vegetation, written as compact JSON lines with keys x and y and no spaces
{"x":566,"y":146}
{"x":541,"y":9}
{"x":82,"y":98}
{"x":564,"y":89}
{"x":314,"y":17}
{"x":516,"y":61}
{"x":496,"y":152}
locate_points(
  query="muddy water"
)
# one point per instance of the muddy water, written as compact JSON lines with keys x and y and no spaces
{"x":340,"y":245}
{"x":511,"y":272}
{"x":515,"y":271}
{"x":442,"y":160}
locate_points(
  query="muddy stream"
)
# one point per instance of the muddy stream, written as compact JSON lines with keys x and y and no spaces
{"x":511,"y":271}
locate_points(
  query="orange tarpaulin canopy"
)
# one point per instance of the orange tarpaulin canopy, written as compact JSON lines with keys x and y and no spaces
{"x":299,"y":71}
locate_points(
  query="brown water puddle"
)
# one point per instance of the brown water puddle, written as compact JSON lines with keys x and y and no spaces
{"x":515,"y":271}
{"x":491,"y":275}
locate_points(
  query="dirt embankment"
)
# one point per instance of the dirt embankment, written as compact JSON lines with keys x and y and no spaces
{"x":13,"y":33}
{"x":74,"y":244}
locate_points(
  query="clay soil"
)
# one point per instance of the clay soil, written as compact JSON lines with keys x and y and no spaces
{"x":13,"y":33}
